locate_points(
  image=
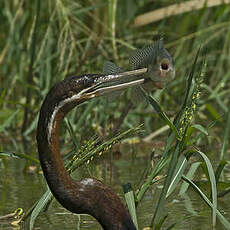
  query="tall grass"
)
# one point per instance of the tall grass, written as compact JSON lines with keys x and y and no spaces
{"x":42,"y":42}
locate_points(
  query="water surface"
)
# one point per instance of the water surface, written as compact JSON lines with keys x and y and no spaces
{"x":21,"y":190}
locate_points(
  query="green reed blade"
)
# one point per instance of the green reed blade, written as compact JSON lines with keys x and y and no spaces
{"x":222,"y":219}
{"x":190,"y":174}
{"x":130,"y":201}
{"x":158,"y":109}
{"x":219,"y":170}
{"x":226,"y":136}
{"x":19,"y":155}
{"x":9,"y":120}
{"x":180,"y":168}
{"x":40,"y":206}
{"x":213,"y":185}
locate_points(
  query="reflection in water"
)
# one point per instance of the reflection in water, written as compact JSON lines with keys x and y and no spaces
{"x":22,"y":190}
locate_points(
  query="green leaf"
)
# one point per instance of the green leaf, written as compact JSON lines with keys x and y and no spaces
{"x":188,"y":203}
{"x":8,"y":121}
{"x":213,"y":112}
{"x":40,"y":205}
{"x":189,"y":82}
{"x":158,"y":109}
{"x":130,"y":201}
{"x":213,"y":185}
{"x":161,"y":222}
{"x":200,"y":128}
{"x":181,"y":165}
{"x":222,"y":219}
{"x":2,"y":96}
{"x":219,"y":170}
{"x":8,"y":154}
{"x":226,"y":135}
{"x":32,"y":126}
{"x":189,"y":175}
{"x":19,"y":155}
{"x":71,"y":132}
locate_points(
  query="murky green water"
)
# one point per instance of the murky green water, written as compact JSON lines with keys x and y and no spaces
{"x":22,"y":190}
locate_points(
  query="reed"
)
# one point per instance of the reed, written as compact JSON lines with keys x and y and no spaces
{"x":42,"y":43}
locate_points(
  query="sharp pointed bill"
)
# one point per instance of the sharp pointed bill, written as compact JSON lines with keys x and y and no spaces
{"x":116,"y":80}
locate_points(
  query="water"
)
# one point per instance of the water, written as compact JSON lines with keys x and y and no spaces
{"x":18,"y":189}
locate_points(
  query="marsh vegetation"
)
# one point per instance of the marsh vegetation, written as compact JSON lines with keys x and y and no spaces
{"x":177,"y":161}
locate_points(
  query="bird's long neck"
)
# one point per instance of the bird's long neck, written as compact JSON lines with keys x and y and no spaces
{"x":89,"y":195}
{"x":59,"y":101}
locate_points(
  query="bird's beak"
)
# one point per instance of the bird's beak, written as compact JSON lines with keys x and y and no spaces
{"x":110,"y":83}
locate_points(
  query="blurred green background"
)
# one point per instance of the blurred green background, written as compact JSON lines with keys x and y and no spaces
{"x":42,"y":42}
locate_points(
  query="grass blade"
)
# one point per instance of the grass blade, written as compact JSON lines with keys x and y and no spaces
{"x":188,"y":203}
{"x":19,"y":155}
{"x":189,"y":82}
{"x":181,"y":165}
{"x":8,"y":121}
{"x":31,"y":127}
{"x":200,"y":128}
{"x":226,"y":135}
{"x":40,"y":205}
{"x":222,"y":219}
{"x":189,"y":175}
{"x":71,"y":132}
{"x":213,"y":185}
{"x":188,"y":90}
{"x":161,"y":222}
{"x":158,"y":109}
{"x":219,"y":170}
{"x":130,"y":201}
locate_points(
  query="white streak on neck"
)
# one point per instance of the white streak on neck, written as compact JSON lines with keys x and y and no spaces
{"x":59,"y":106}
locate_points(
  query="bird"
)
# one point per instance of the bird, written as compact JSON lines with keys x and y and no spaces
{"x":89,"y":195}
{"x":152,"y":67}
